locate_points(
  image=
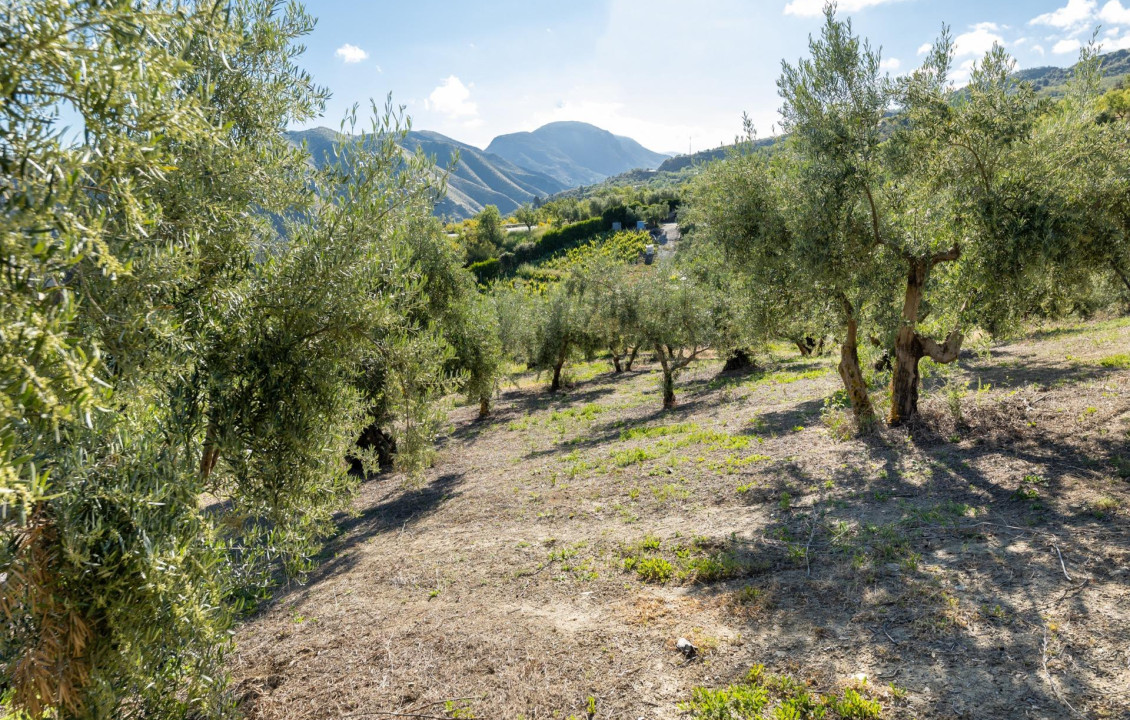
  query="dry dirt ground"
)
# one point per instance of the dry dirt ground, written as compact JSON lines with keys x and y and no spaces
{"x":972,"y":568}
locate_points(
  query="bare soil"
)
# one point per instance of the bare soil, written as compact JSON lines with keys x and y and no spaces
{"x":968,"y":567}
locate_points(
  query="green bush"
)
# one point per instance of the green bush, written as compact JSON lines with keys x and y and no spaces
{"x":487,"y":270}
{"x":654,"y":570}
{"x":559,"y":239}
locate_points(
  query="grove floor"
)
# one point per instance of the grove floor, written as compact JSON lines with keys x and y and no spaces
{"x":973,"y":567}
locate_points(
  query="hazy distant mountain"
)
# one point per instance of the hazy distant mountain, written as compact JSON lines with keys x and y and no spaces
{"x":574,"y":153}
{"x":479,"y":179}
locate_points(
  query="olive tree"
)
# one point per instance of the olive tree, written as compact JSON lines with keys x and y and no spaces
{"x":953,"y":197}
{"x":863,"y":211}
{"x":833,"y":108}
{"x":191,"y":309}
{"x":607,"y":292}
{"x":674,"y":320}
{"x":527,"y":215}
{"x":562,"y":329}
{"x":1082,"y":156}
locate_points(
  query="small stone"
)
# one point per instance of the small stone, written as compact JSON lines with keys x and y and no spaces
{"x":686,"y":647}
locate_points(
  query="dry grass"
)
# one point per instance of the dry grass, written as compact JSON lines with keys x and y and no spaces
{"x":927,"y":558}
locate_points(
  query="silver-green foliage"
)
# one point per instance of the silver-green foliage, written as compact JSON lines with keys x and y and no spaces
{"x":189,"y":312}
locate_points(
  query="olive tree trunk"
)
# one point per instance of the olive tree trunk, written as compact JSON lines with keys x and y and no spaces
{"x":210,"y":454}
{"x":850,"y":372}
{"x":555,"y":385}
{"x":631,"y":358}
{"x":666,"y":363}
{"x":484,"y":405}
{"x":910,"y":346}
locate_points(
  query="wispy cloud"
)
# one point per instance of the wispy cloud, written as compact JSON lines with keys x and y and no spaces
{"x":350,"y":54}
{"x":891,"y":64}
{"x":815,"y":8}
{"x":924,"y":48}
{"x":452,"y":98}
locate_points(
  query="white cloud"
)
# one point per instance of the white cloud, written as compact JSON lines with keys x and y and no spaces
{"x":1020,"y":41}
{"x":452,"y":98}
{"x":1038,"y":49}
{"x":977,"y":41}
{"x":924,"y":48}
{"x":350,"y":54}
{"x":1115,"y":14}
{"x":890,"y":64}
{"x":815,"y":8}
{"x":1072,"y":15}
{"x":1118,"y":43}
{"x":1063,"y":47}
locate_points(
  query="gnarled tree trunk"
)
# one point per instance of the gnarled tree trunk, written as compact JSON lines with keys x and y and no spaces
{"x":210,"y":454}
{"x":374,"y":437}
{"x":738,"y":359}
{"x":555,"y":384}
{"x":668,"y":377}
{"x":484,"y":406}
{"x":631,"y":358}
{"x":850,"y":372}
{"x":910,"y":346}
{"x":617,"y":366}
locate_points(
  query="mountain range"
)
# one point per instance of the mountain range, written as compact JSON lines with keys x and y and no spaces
{"x":477,"y":180}
{"x":515,"y":168}
{"x":518,"y":167}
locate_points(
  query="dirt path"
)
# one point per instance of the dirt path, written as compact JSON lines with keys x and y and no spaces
{"x":557,"y":551}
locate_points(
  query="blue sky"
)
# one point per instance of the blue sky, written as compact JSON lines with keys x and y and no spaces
{"x":671,"y":74}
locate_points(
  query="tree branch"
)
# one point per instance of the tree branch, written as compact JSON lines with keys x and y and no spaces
{"x":977,"y":159}
{"x":948,"y":256}
{"x":1120,"y":274}
{"x":947,"y":352}
{"x":874,"y":215}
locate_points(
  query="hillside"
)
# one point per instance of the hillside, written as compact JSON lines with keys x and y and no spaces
{"x":574,"y":153}
{"x":477,"y":180}
{"x":1052,"y":81}
{"x":558,"y":550}
{"x":674,"y":164}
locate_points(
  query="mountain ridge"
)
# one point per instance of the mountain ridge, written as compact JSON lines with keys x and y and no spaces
{"x":575,"y":153}
{"x":477,"y":180}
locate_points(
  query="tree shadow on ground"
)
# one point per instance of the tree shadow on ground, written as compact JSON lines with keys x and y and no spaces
{"x":1028,"y":373}
{"x":891,"y":589}
{"x":786,"y":420}
{"x":400,"y":509}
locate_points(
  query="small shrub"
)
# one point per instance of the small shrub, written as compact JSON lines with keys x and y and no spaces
{"x":1105,"y":506}
{"x":1120,"y":362}
{"x":750,"y":595}
{"x":714,"y":568}
{"x":853,"y":706}
{"x":777,"y":697}
{"x":785,"y":502}
{"x":654,"y":570}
